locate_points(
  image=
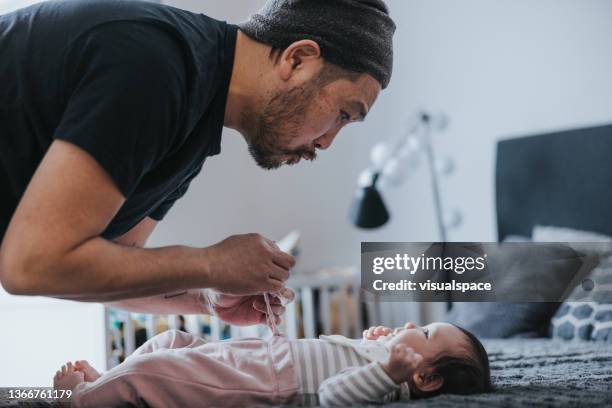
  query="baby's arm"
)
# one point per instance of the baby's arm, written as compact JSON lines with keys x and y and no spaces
{"x":358,"y":385}
{"x":372,"y":383}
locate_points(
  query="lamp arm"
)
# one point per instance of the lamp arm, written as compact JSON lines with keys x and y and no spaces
{"x":399,"y":145}
{"x":435,"y":185}
{"x":424,"y":125}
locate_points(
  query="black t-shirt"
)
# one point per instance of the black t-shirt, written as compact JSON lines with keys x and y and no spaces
{"x":140,"y":86}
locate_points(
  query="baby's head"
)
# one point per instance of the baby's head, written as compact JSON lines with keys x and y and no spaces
{"x":454,"y":360}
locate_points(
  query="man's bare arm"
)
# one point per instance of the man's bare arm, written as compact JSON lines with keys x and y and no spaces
{"x":53,"y":246}
{"x":191,"y":301}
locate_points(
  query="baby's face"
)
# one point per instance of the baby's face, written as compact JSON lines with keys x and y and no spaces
{"x":430,"y":341}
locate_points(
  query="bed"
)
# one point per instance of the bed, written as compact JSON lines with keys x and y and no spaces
{"x":541,"y":372}
{"x":559,"y":179}
{"x":527,"y":372}
{"x":573,"y":170}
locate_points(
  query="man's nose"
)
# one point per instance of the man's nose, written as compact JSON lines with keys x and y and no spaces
{"x":326,"y":140}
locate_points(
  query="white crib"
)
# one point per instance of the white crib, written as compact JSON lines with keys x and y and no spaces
{"x":328,"y":301}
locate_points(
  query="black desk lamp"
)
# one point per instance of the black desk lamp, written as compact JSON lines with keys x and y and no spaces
{"x":368,"y":209}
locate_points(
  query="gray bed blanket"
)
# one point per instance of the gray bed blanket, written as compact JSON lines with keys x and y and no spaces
{"x":526,"y":372}
{"x":541,"y":373}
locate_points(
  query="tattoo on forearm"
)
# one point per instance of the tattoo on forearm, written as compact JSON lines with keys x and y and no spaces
{"x":172,"y":295}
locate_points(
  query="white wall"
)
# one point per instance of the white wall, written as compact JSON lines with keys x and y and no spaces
{"x":41,"y":334}
{"x":498,"y":68}
{"x":6,"y":6}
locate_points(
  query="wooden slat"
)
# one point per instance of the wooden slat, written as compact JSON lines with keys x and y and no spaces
{"x":129,"y":335}
{"x":308,"y":312}
{"x":325,"y":308}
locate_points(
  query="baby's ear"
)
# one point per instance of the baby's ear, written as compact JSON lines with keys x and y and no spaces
{"x":427,"y":382}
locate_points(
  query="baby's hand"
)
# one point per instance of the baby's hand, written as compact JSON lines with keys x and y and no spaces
{"x":375,"y":332}
{"x":402,"y":363}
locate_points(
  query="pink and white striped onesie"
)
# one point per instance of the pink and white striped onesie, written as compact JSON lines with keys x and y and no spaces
{"x":177,"y":369}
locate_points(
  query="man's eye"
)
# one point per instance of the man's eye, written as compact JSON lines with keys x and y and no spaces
{"x":344,"y":117}
{"x":426,"y":332}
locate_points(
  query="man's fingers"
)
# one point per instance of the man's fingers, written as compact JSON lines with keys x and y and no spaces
{"x":276,"y":272}
{"x":282,"y":297}
{"x":278,"y":310}
{"x":287,"y":295}
{"x":270,"y":242}
{"x":264,"y":319}
{"x":273,"y":285}
{"x":279,"y":254}
{"x":283,"y":260}
{"x":260,"y":305}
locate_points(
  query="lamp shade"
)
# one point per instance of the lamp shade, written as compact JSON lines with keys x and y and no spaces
{"x":368,"y":209}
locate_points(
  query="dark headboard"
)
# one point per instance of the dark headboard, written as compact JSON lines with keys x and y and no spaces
{"x":562,"y":179}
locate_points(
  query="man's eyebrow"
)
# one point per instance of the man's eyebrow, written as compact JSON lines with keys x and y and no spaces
{"x":361,"y":108}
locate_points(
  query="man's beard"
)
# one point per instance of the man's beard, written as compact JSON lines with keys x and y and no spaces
{"x":279,"y":123}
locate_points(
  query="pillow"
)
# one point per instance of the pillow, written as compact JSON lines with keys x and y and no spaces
{"x":573,"y":320}
{"x":602,"y":326}
{"x":547,"y":233}
{"x":587,"y":312}
{"x":586,"y":241}
{"x":490,"y":320}
{"x":514,"y":266}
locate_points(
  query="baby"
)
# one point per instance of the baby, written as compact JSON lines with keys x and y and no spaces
{"x":177,"y":369}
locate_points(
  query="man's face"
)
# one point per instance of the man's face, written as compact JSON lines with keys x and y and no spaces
{"x":296,"y":122}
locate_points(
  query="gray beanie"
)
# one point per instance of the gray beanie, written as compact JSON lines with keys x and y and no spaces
{"x":354,"y":34}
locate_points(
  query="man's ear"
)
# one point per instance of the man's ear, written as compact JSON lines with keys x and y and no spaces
{"x":427,"y":381}
{"x":304,"y":55}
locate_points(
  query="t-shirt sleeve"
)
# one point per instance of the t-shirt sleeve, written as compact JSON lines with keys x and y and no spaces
{"x":160,"y":212}
{"x":126,"y":90}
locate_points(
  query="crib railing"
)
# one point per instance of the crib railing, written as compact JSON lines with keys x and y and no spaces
{"x":328,"y":301}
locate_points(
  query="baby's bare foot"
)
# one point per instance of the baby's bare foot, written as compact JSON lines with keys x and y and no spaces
{"x":90,"y":373}
{"x":66,"y":379}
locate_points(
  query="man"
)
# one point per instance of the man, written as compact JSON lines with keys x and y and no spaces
{"x":108,"y":110}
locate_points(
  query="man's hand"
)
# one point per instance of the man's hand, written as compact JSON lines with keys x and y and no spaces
{"x":250,"y":309}
{"x":247,"y":264}
{"x":375,"y":332}
{"x":54,"y":246}
{"x":402,"y":363}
